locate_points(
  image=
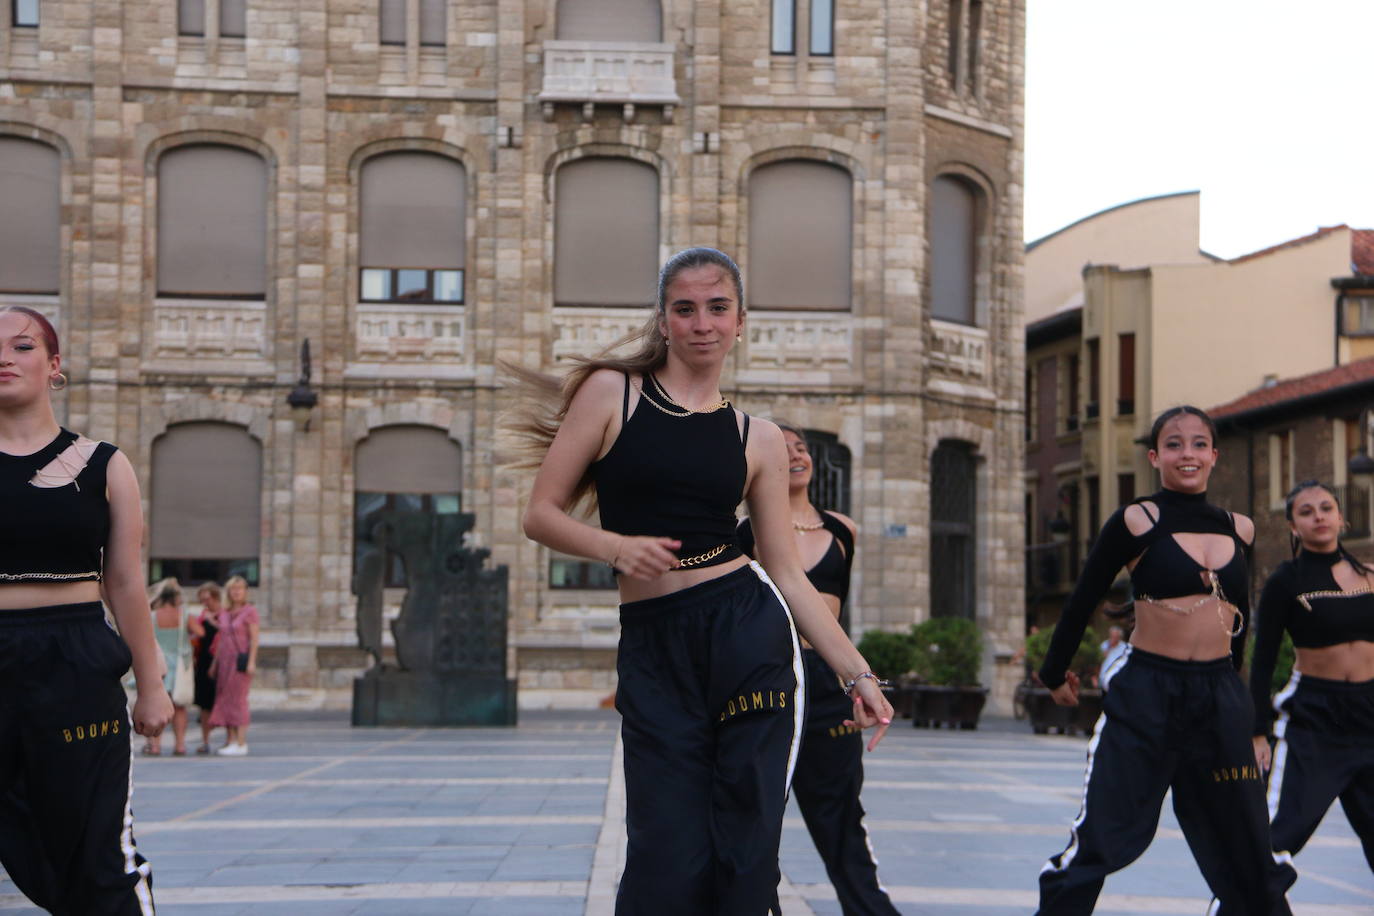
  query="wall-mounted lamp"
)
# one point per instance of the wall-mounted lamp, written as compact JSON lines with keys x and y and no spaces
{"x":303,"y":398}
{"x":1060,"y":528}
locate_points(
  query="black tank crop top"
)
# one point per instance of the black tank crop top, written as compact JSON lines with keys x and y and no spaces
{"x":830,"y":575}
{"x":1302,"y":597}
{"x":668,"y":475}
{"x":1165,"y":570}
{"x":65,"y":521}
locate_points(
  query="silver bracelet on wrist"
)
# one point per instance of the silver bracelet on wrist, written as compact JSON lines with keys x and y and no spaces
{"x":849,"y":687}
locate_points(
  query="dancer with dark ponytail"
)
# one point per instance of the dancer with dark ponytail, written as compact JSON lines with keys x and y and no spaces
{"x":1177,"y":714}
{"x":830,"y":770}
{"x":72,"y":535}
{"x":710,"y":678}
{"x":1323,"y":719}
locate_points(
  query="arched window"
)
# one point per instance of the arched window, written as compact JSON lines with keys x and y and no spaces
{"x":413,"y":238}
{"x":953,"y":529}
{"x":212,"y":222}
{"x":800,"y":236}
{"x":206,"y":497}
{"x":417,"y":468}
{"x":30,"y":216}
{"x":610,"y":20}
{"x":953,"y":234}
{"x":605,"y":232}
{"x":831,"y":471}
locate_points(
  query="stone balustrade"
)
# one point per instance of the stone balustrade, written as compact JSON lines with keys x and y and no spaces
{"x":210,"y":328}
{"x":595,"y":72}
{"x":959,"y":350}
{"x":412,"y":333}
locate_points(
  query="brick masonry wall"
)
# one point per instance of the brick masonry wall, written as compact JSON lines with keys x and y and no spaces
{"x":311,"y":91}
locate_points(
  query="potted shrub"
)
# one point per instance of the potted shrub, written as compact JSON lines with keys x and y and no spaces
{"x":947,"y":652}
{"x":1043,"y":712}
{"x":890,"y":656}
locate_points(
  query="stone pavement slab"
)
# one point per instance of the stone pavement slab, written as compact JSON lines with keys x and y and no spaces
{"x":323,"y":819}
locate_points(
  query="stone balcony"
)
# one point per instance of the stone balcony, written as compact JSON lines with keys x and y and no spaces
{"x":219,"y":329}
{"x":591,"y":73}
{"x":959,"y":350}
{"x":412,"y":333}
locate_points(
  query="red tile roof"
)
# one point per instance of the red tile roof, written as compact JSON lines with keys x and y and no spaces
{"x":1293,"y":389}
{"x":1300,"y":240}
{"x":1362,"y":251}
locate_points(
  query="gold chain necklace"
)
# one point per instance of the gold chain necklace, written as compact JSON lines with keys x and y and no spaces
{"x":685,"y":411}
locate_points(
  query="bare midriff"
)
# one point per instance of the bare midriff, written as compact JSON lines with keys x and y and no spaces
{"x":674,"y":581}
{"x":1347,"y":661}
{"x":1201,"y":635}
{"x":21,"y":595}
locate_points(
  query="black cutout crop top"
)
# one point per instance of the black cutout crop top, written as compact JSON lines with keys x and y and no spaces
{"x":675,"y":476}
{"x":1165,"y":570}
{"x":1302,"y":597}
{"x":830,"y":575}
{"x":64,"y":529}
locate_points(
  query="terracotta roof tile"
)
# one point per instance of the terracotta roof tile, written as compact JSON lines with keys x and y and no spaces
{"x":1302,"y":239}
{"x":1302,"y":386}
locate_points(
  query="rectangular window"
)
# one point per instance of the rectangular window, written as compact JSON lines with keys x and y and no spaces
{"x":193,"y":572}
{"x":411,"y":284}
{"x":1359,"y":315}
{"x":1094,"y":507}
{"x":784,"y":26}
{"x":433,"y":23}
{"x":233,"y":18}
{"x":1125,"y":375}
{"x":975,"y":27}
{"x":1094,"y":380}
{"x":25,"y":14}
{"x":822,"y":27}
{"x":1125,"y":488}
{"x":1071,"y":394}
{"x":956,"y":14}
{"x":1280,"y":467}
{"x":191,"y":17}
{"x":569,"y":572}
{"x":393,"y":22}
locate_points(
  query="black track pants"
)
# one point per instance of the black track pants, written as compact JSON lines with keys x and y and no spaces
{"x":829,"y":776}
{"x":712,"y":697}
{"x":66,"y":830}
{"x":1325,"y":751}
{"x":1182,"y":725}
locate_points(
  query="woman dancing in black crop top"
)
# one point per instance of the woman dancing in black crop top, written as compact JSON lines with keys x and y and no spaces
{"x":830,"y":769}
{"x":1325,"y":723}
{"x":710,"y":678}
{"x":73,"y":535}
{"x":1176,"y":713}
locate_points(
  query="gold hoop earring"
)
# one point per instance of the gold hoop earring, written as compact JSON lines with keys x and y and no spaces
{"x":52,"y":382}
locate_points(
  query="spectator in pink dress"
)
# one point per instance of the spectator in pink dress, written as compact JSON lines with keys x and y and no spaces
{"x":236,"y":660}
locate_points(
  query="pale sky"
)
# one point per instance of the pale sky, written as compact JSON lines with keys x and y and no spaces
{"x":1266,"y":107}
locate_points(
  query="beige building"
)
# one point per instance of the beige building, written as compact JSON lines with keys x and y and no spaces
{"x":1163,"y":323}
{"x":421,"y":188}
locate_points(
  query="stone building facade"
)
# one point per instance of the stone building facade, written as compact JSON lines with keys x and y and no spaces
{"x":422,"y":188}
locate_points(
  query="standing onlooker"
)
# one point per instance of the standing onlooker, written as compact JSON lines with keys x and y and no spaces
{"x":169,"y":627}
{"x":236,"y":660}
{"x":72,"y":534}
{"x":204,"y":629}
{"x":1113,"y":647}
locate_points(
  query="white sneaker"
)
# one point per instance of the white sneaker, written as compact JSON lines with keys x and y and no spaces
{"x":233,"y":750}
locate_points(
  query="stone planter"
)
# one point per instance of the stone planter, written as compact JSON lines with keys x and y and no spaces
{"x":1045,"y":715}
{"x":953,"y":707}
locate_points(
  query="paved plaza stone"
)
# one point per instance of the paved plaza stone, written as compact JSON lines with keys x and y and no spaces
{"x":326,"y":820}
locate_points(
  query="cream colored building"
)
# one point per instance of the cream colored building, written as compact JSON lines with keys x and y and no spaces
{"x":421,"y":188}
{"x":1164,"y":324}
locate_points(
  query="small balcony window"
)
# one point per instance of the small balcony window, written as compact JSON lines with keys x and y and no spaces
{"x":25,"y":14}
{"x":411,"y":284}
{"x":566,"y":573}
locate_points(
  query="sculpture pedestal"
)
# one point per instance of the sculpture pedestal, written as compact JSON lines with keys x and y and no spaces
{"x":392,"y":697}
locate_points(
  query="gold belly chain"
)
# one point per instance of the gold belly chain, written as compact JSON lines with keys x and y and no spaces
{"x":1234,"y":628}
